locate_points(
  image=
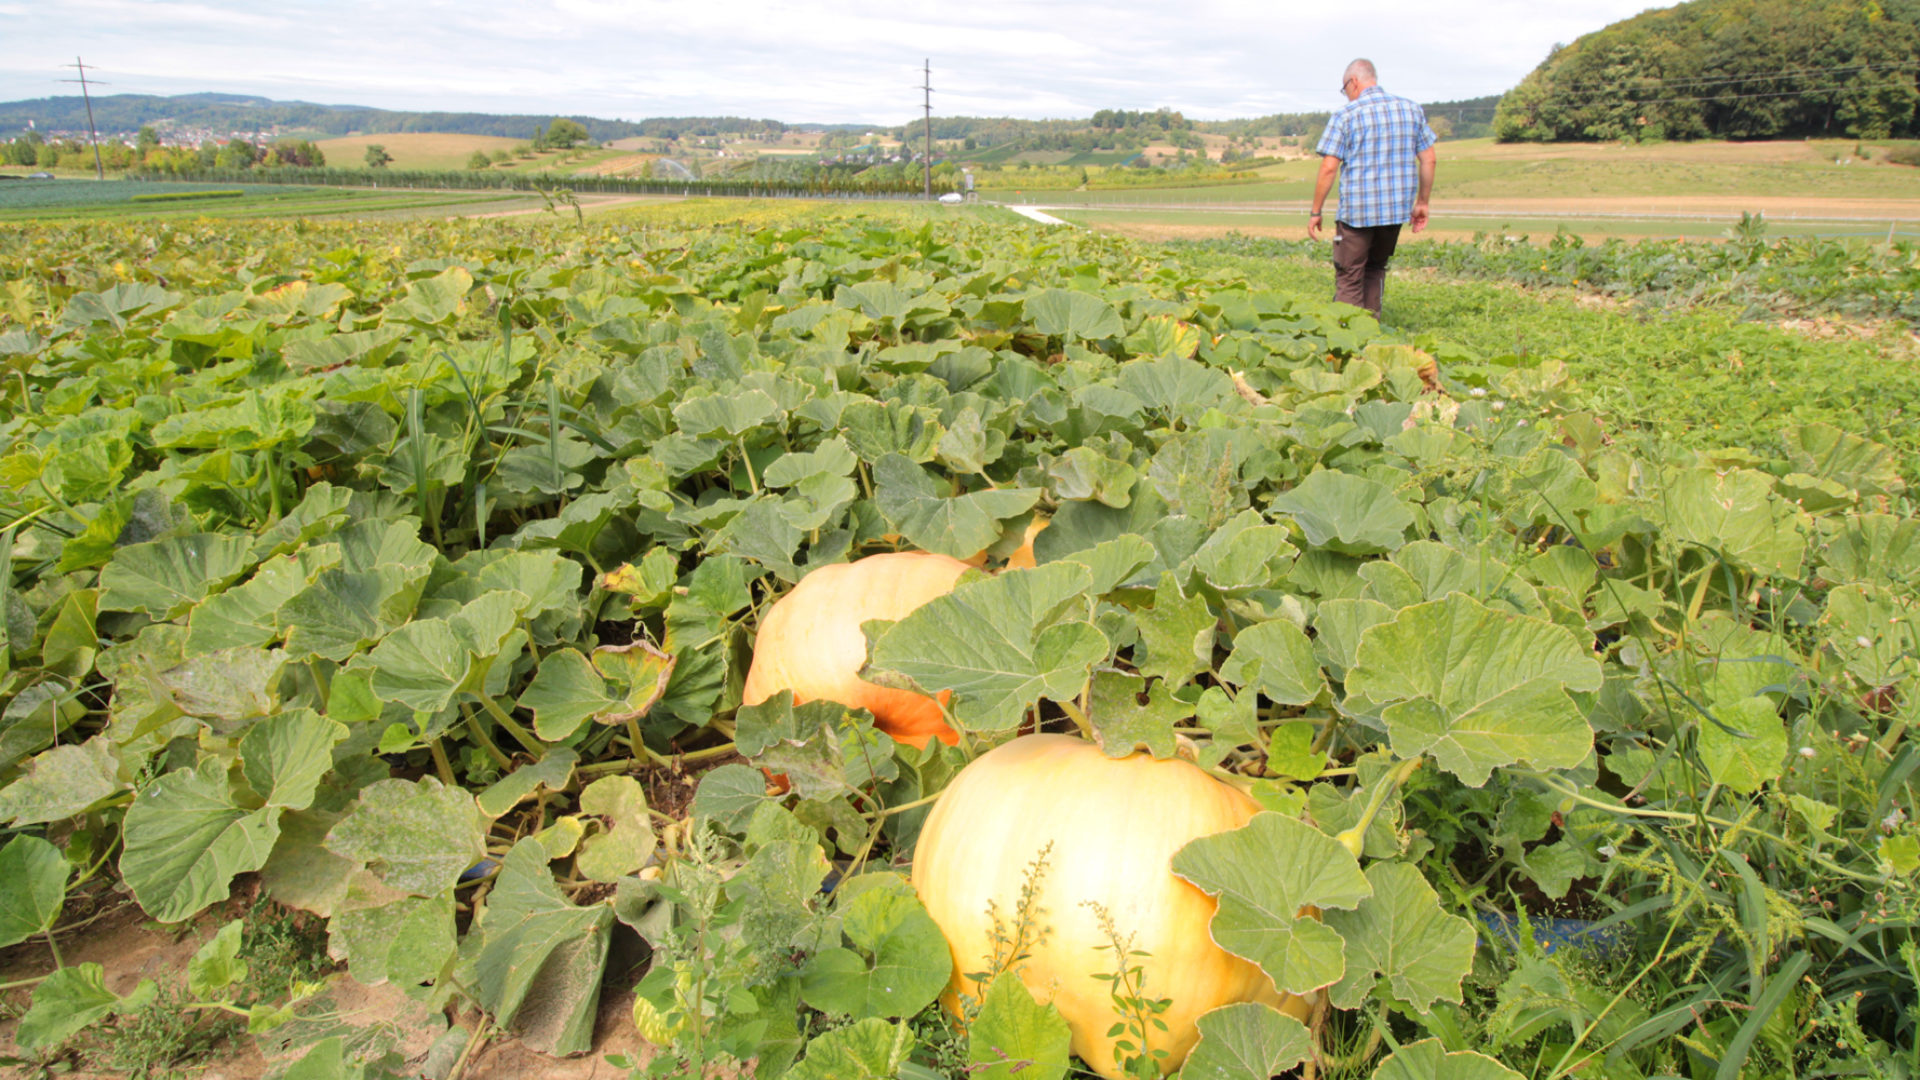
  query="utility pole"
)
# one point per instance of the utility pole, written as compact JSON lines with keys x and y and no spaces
{"x":99,"y":172}
{"x":927,"y":86}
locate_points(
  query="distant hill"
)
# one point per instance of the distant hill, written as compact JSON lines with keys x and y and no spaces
{"x":1729,"y":69}
{"x":239,"y":112}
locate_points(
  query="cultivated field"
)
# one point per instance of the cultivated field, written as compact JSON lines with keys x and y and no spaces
{"x":414,"y":150}
{"x":400,"y":673}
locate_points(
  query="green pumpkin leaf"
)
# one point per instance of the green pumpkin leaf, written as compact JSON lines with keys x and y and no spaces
{"x":1429,"y":1060}
{"x":1000,"y":645}
{"x":1176,"y":635}
{"x":899,"y":962}
{"x":726,"y":416}
{"x":1276,"y":658}
{"x":564,"y":693}
{"x":1085,"y":473}
{"x":69,"y":1000}
{"x":284,"y":756}
{"x":33,"y":887}
{"x":729,"y":795}
{"x":216,"y":965}
{"x":870,"y":1049}
{"x":627,"y":840}
{"x":422,"y":665}
{"x":1290,"y":751}
{"x":1122,"y":725}
{"x":1244,"y":1040}
{"x":61,"y":782}
{"x":186,"y":839}
{"x":1263,"y":873}
{"x":539,"y":960}
{"x":1737,"y":514}
{"x":1477,"y":688}
{"x":1401,"y":934}
{"x":956,"y":525}
{"x":1015,"y":1037}
{"x":1073,"y":315}
{"x":247,"y":614}
{"x":164,"y":578}
{"x":553,"y":772}
{"x":416,"y":836}
{"x":1751,"y":754}
{"x":1348,"y":514}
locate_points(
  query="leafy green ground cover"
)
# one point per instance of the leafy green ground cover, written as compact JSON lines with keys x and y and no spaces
{"x":387,"y":563}
{"x":1449,"y":227}
{"x":1790,"y":275}
{"x":1683,"y":367}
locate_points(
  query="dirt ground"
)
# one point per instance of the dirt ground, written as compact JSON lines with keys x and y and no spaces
{"x":132,"y":948}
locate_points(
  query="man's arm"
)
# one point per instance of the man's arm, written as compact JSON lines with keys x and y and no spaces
{"x":1329,"y":168}
{"x":1427,"y":160}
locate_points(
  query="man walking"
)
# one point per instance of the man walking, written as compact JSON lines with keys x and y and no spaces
{"x":1381,"y":148}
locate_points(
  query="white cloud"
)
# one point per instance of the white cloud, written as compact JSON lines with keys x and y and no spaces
{"x":800,"y":60}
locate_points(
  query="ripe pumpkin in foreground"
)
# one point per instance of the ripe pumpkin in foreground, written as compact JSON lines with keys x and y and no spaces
{"x":1114,"y":826}
{"x":810,"y":640}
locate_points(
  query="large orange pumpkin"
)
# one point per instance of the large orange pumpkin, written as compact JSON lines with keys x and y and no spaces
{"x":1113,"y":826}
{"x":810,"y":640}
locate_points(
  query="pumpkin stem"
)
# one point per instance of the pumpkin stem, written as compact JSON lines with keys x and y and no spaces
{"x":1354,"y":837}
{"x":1079,"y":719}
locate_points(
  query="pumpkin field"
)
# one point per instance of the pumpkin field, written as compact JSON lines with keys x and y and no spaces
{"x":845,"y":644}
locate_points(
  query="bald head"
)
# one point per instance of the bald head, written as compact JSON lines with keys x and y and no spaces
{"x":1361,"y":71}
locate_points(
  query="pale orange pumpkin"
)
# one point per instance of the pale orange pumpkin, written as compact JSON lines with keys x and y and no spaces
{"x":810,"y":640}
{"x":1022,"y":559}
{"x":1113,"y":826}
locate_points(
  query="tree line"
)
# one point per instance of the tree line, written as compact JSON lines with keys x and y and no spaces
{"x":1729,"y":69}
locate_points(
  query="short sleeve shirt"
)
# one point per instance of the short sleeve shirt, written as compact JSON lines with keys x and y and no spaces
{"x":1377,"y":137}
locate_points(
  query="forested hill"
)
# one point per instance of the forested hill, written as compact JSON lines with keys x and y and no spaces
{"x":237,"y":112}
{"x":1733,"y":69}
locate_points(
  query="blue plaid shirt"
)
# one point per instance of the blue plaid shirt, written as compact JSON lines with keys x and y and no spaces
{"x":1376,"y":137}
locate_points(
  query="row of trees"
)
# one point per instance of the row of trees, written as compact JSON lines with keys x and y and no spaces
{"x":1736,"y":69}
{"x":148,"y":153}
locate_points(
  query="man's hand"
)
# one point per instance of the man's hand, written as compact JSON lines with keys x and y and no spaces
{"x":1322,"y":184}
{"x":1427,"y":161}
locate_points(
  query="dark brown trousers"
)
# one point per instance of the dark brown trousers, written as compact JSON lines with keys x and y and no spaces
{"x":1360,"y":263}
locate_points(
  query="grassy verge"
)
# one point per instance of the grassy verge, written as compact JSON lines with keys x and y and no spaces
{"x":1701,"y":377}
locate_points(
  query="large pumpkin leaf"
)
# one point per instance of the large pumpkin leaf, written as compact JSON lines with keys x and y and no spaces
{"x":956,"y":525}
{"x":416,"y":836}
{"x":1345,"y":513}
{"x":62,"y":782}
{"x":1000,"y":645}
{"x":1176,"y":634}
{"x":1015,"y":1037}
{"x":186,"y":838}
{"x":1737,"y":514}
{"x":1401,"y":934}
{"x":1244,"y":1040}
{"x":1264,"y":873}
{"x":1429,"y":1060}
{"x":1477,"y":688}
{"x":1276,"y":658}
{"x":33,"y":886}
{"x":1073,"y":315}
{"x":539,"y":959}
{"x":166,"y":577}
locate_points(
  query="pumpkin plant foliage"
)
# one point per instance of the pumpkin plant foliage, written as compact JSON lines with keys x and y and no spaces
{"x":425,"y":572}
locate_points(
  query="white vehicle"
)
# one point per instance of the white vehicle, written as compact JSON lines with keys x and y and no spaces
{"x":953,"y":198}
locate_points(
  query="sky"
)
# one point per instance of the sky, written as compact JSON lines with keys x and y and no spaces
{"x":828,"y":61}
